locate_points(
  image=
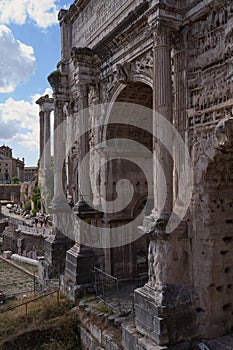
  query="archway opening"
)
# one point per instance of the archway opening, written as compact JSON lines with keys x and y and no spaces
{"x":131,"y":260}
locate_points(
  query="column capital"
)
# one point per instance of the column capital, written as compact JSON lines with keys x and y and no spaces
{"x":84,"y":56}
{"x":161,"y":32}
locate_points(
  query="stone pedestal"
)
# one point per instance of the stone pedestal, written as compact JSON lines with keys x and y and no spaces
{"x":79,"y":277}
{"x":55,"y":251}
{"x":165,"y":306}
{"x":166,"y":315}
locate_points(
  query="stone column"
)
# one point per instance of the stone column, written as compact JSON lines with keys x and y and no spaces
{"x":57,"y":244}
{"x":164,"y":306}
{"x":46,"y":106}
{"x":47,"y":141}
{"x":41,"y":114}
{"x":179,"y":57}
{"x":162,"y":95}
{"x":59,"y":156}
{"x":80,"y":259}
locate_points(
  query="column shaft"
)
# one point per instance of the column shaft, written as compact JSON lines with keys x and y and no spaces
{"x":47,"y":141}
{"x":59,"y":151}
{"x":42,"y":138}
{"x":162,"y":106}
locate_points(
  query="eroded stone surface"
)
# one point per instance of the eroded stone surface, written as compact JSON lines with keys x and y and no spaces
{"x":174,"y":57}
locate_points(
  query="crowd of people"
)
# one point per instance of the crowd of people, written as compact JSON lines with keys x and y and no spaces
{"x":40,"y":221}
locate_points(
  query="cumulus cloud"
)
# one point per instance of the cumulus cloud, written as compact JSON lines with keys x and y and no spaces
{"x":8,"y":129}
{"x":19,"y":121}
{"x":17,"y":62}
{"x":43,"y":12}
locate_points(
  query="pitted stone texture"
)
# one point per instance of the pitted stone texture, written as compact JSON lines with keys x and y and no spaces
{"x":175,"y":57}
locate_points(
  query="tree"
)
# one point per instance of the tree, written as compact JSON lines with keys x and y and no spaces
{"x":36,"y":199}
{"x":15,"y":180}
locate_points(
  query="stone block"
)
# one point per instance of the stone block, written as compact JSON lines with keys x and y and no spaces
{"x":7,"y":254}
{"x":163,"y":318}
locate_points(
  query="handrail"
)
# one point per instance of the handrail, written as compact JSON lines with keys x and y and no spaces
{"x":31,"y":301}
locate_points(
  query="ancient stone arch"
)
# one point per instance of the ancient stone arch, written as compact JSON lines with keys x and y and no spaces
{"x":181,"y":51}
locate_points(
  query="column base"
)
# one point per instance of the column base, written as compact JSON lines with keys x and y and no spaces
{"x":79,"y":277}
{"x":55,"y":248}
{"x":165,"y":315}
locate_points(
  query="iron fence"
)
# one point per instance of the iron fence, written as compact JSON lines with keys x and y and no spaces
{"x":31,"y":301}
{"x":115,"y":292}
{"x":107,"y":289}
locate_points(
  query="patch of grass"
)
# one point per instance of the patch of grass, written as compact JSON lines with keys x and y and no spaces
{"x":28,"y":267}
{"x":104,"y":308}
{"x":43,"y":314}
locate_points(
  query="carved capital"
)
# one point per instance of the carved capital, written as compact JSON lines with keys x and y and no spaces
{"x":84,"y":55}
{"x":55,"y":79}
{"x":161,"y":33}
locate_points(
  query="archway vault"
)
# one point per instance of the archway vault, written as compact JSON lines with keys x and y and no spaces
{"x":129,"y":260}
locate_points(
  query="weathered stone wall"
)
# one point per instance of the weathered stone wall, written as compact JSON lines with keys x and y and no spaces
{"x":174,"y":57}
{"x":22,"y":243}
{"x":10,"y":193}
{"x":210,"y":89}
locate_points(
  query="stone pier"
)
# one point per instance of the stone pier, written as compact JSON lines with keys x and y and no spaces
{"x":173,"y":58}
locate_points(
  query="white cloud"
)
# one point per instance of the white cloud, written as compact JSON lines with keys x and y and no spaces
{"x":19,"y":122}
{"x":42,"y":12}
{"x":17,"y":61}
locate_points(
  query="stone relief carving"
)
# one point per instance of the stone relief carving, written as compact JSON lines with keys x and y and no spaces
{"x":93,"y":100}
{"x":145,"y":63}
{"x":224,"y":134}
{"x":203,"y":151}
{"x":210,"y":67}
{"x":121,"y":73}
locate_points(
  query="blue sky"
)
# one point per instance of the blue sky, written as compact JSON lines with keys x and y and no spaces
{"x":29,"y":52}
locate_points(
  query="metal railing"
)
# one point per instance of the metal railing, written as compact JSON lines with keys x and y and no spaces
{"x":107,"y":289}
{"x":117,"y":293}
{"x":31,"y":301}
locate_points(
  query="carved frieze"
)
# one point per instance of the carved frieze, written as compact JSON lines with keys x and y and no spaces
{"x":145,"y":64}
{"x":84,"y":55}
{"x":203,"y":151}
{"x":125,"y":72}
{"x":208,"y":117}
{"x":210,"y":66}
{"x":93,"y":17}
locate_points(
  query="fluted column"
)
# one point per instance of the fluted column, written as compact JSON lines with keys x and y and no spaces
{"x":161,"y":304}
{"x":84,"y":183}
{"x":47,"y":141}
{"x":59,"y":154}
{"x":162,"y":106}
{"x":42,"y":117}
